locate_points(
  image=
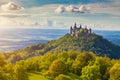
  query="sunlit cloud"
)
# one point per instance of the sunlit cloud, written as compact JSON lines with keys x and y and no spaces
{"x":73,"y":9}
{"x":4,"y":1}
{"x":49,"y":15}
{"x":11,"y":6}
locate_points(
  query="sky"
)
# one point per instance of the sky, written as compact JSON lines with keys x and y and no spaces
{"x":60,"y":14}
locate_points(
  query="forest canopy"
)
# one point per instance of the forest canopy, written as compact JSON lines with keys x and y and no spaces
{"x":71,"y":65}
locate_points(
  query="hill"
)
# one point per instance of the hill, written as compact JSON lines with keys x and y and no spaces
{"x":84,"y":42}
{"x":38,"y":61}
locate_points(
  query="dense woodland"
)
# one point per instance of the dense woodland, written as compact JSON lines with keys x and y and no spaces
{"x":63,"y":66}
{"x":88,"y":57}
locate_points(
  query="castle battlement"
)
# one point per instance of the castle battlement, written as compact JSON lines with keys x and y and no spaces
{"x":74,"y":31}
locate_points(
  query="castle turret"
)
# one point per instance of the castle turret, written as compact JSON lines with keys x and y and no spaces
{"x":71,"y":30}
{"x":90,"y":30}
{"x":75,"y":31}
{"x":80,"y":27}
{"x":75,"y":26}
{"x":86,"y":30}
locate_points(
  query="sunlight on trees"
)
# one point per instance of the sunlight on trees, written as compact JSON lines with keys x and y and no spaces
{"x":115,"y":72}
{"x":57,"y":67}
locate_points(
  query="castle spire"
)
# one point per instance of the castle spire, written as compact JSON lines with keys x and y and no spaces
{"x":75,"y":25}
{"x":71,"y":30}
{"x":80,"y":26}
{"x":90,"y":30}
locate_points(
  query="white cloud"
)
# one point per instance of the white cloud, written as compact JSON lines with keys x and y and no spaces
{"x":110,"y":8}
{"x":3,"y":1}
{"x":72,"y":8}
{"x":60,"y":9}
{"x":13,"y":15}
{"x":10,"y":6}
{"x":84,"y":9}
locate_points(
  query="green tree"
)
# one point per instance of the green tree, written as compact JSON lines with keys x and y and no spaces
{"x":57,"y":67}
{"x":63,"y":56}
{"x":9,"y":71}
{"x":20,"y":72}
{"x":46,"y":61}
{"x":2,"y":61}
{"x":72,"y":54}
{"x":76,"y":67}
{"x":2,"y":74}
{"x":91,"y":73}
{"x":69,"y":64}
{"x":104,"y":64}
{"x":32,"y":64}
{"x":82,"y":60}
{"x":115,"y":72}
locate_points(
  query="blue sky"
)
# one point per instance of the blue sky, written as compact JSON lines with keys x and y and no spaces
{"x":47,"y":2}
{"x":54,"y":14}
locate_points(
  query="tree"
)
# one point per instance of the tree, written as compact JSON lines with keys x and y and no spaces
{"x":77,"y":67}
{"x":9,"y":71}
{"x":46,"y":61}
{"x":104,"y":65}
{"x":2,"y":74}
{"x":73,"y":54}
{"x":2,"y":62}
{"x":115,"y":72}
{"x":82,"y":60}
{"x":63,"y":56}
{"x":63,"y":77}
{"x":69,"y":64}
{"x":91,"y":73}
{"x":20,"y":72}
{"x":57,"y":67}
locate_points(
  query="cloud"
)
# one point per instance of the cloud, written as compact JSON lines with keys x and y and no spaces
{"x":11,"y":15}
{"x":101,"y":8}
{"x":72,"y":8}
{"x":60,"y":9}
{"x":4,"y":1}
{"x":11,"y":6}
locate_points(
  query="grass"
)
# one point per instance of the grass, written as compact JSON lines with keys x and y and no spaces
{"x":74,"y":77}
{"x":36,"y":76}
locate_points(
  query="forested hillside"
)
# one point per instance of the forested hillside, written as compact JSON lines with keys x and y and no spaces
{"x":87,"y":57}
{"x":89,"y":42}
{"x":63,"y":66}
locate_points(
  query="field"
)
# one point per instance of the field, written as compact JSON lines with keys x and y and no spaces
{"x":36,"y":76}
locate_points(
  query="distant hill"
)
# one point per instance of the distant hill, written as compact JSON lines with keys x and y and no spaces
{"x":84,"y":42}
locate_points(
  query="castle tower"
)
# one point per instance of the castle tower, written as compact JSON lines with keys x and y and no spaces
{"x":86,"y":30}
{"x":80,"y":26}
{"x":75,"y":26}
{"x":71,"y":30}
{"x":90,"y":30}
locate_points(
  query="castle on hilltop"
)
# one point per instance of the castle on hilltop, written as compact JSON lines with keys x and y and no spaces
{"x":74,"y":31}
